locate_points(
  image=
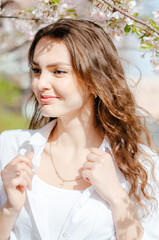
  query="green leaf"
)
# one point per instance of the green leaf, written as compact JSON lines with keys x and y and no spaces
{"x":54,"y":2}
{"x":73,"y":15}
{"x":142,"y":36}
{"x":146,"y":46}
{"x":135,"y":14}
{"x":71,"y":10}
{"x":144,"y":27}
{"x":127,"y":29}
{"x":137,"y":31}
{"x":153,"y":24}
{"x":133,"y":29}
{"x":29,"y":10}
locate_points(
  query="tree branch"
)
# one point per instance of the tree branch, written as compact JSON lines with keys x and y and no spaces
{"x":22,"y":18}
{"x":100,"y":1}
{"x":127,"y":15}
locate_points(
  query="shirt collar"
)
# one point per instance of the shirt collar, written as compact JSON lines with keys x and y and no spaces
{"x":40,"y":137}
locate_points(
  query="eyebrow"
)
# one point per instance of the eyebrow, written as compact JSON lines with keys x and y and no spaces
{"x":52,"y":64}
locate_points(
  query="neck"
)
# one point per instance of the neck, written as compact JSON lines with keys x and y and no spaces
{"x":78,"y":131}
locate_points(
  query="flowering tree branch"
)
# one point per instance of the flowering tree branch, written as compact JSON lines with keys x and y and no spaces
{"x":128,"y":15}
{"x":22,"y":18}
{"x":116,"y":17}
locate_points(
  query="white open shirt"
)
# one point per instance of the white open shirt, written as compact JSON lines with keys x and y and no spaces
{"x":89,"y":218}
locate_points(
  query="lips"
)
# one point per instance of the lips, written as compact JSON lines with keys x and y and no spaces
{"x":47,"y":98}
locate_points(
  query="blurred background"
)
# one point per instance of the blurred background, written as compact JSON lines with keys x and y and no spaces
{"x":14,"y":77}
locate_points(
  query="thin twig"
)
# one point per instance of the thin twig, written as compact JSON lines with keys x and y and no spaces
{"x":22,"y":18}
{"x":127,"y":15}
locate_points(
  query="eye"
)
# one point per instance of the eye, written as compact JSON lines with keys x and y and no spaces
{"x":35,"y":70}
{"x":59,"y":72}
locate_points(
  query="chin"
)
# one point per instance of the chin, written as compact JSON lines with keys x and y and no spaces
{"x":47,"y":112}
{"x":48,"y":115}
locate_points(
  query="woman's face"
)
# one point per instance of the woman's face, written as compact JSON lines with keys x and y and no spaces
{"x":54,"y":82}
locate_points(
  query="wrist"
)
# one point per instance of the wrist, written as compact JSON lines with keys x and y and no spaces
{"x":9,"y":211}
{"x":119,"y":199}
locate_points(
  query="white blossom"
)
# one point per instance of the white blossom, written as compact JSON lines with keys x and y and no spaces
{"x":117,"y":15}
{"x":156,"y":14}
{"x":108,"y":15}
{"x":117,"y":36}
{"x":129,"y":21}
{"x":48,"y":13}
{"x":148,"y":39}
{"x":98,"y":15}
{"x":132,"y":4}
{"x":156,"y":17}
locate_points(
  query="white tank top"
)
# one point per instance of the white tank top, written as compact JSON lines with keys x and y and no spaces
{"x":57,"y":203}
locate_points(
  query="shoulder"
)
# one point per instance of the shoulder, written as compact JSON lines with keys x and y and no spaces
{"x":15,"y":136}
{"x":14,"y":142}
{"x":10,"y":142}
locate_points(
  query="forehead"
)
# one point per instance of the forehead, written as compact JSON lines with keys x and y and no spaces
{"x":50,"y":50}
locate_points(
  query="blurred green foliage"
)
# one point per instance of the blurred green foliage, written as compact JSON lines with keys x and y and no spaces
{"x":9,"y":92}
{"x":10,"y":106}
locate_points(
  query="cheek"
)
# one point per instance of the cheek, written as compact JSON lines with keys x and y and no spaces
{"x":64,"y":88}
{"x":34,"y":87}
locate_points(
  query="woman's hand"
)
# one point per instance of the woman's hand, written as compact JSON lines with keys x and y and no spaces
{"x":99,"y":170}
{"x":17,"y":176}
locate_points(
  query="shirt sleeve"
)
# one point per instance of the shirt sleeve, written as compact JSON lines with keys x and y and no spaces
{"x":151,"y":222}
{"x":2,"y":192}
{"x":0,"y":159}
{"x":1,"y":183}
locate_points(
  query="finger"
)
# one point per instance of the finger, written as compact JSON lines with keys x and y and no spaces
{"x":20,"y":158}
{"x":87,"y":179}
{"x":18,"y":181}
{"x":97,"y":151}
{"x":92,"y":157}
{"x":30,"y":156}
{"x":100,"y":152}
{"x":88,"y":165}
{"x":28,"y":179}
{"x":23,"y":167}
{"x":86,"y":175}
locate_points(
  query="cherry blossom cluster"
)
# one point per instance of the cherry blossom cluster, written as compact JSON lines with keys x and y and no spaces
{"x":117,"y":17}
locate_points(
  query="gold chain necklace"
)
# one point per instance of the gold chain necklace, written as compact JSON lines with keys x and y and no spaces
{"x":62,"y":180}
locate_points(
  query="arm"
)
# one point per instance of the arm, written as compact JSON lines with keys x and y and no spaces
{"x":126,"y":223}
{"x":99,"y":169}
{"x":15,"y":190}
{"x":7,"y":221}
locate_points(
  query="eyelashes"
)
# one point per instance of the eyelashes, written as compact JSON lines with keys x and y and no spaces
{"x":56,"y":71}
{"x":35,"y":70}
{"x":59,"y":72}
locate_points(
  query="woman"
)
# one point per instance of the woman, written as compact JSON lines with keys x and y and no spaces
{"x":85,"y":173}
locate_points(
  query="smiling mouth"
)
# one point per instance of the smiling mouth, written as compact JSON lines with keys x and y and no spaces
{"x":47,"y":98}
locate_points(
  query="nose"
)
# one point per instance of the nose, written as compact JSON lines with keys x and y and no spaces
{"x":44,"y":82}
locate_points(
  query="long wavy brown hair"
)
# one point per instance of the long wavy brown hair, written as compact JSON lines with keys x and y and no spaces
{"x":96,"y":62}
